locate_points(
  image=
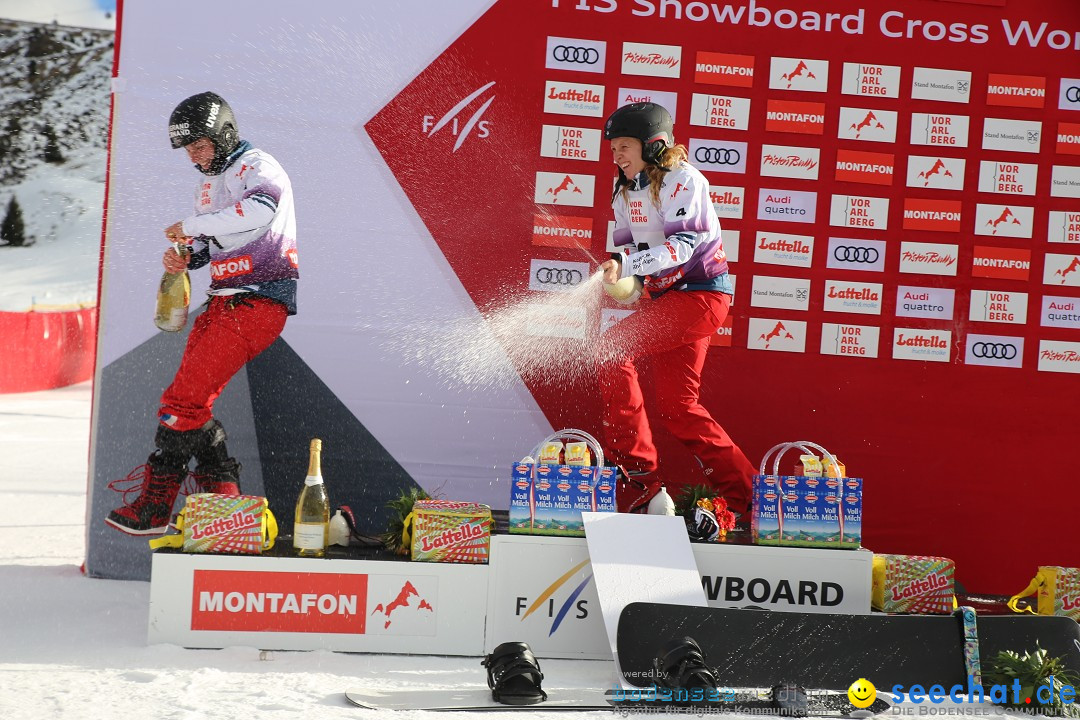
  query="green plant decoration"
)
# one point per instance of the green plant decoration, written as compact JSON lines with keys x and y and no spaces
{"x":688,"y":497}
{"x":399,"y":510}
{"x":1033,"y":669}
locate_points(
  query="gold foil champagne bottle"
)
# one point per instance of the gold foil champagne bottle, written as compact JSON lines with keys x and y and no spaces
{"x":311,"y":526}
{"x":174,"y":297}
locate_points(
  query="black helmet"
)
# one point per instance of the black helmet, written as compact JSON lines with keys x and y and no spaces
{"x":648,"y":122}
{"x":204,"y":115}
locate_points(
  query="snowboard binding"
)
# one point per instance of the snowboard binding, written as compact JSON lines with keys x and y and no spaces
{"x":514,"y":675}
{"x":681,"y":664}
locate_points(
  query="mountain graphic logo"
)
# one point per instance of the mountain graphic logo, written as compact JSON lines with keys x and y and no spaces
{"x":408,"y":591}
{"x":553,"y":588}
{"x":777,"y":332}
{"x":938,"y":167}
{"x":870,"y":121}
{"x":1005,"y":216}
{"x":566,"y":184}
{"x":801,"y":68}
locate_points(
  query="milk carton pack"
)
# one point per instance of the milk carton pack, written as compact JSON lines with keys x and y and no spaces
{"x":791,"y":506}
{"x":851,"y":529}
{"x":521,"y":516}
{"x":552,"y":502}
{"x":765,"y":517}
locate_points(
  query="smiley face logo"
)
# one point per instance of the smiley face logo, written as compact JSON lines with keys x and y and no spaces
{"x":862,"y":693}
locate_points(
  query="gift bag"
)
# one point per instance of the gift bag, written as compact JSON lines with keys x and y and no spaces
{"x":213,"y":523}
{"x":448,"y":531}
{"x":1058,"y":589}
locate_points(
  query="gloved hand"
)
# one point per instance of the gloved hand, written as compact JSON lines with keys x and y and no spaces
{"x":175,"y":262}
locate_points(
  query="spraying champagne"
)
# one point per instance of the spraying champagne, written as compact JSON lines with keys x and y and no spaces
{"x":174,"y":296}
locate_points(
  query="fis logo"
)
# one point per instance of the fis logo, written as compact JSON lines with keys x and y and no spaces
{"x":572,"y":601}
{"x":430,"y":126}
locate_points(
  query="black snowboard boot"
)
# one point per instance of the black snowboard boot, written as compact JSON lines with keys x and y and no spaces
{"x":158,"y":484}
{"x":215,"y":471}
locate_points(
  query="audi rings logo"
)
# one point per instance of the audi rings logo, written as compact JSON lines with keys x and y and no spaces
{"x":717,"y":156}
{"x":582,"y":55}
{"x":1073,"y":94}
{"x":558,"y":276}
{"x":846,"y":253}
{"x":994,"y":351}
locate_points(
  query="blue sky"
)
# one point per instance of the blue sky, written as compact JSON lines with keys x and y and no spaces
{"x":83,"y":13}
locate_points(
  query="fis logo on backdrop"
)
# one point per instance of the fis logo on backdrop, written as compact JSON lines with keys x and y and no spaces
{"x":867,"y":125}
{"x":562,"y":231}
{"x":861,"y":212}
{"x":561,"y":98}
{"x":918,"y":344}
{"x":787,"y":205}
{"x":1069,"y":94}
{"x":1061,"y":270}
{"x":925,"y":302}
{"x":1064,"y":227}
{"x":571,"y":603}
{"x":782,"y":249}
{"x":934,"y":215}
{"x":455,"y":120}
{"x":800,"y":163}
{"x":935,"y":171}
{"x":1026,"y":91}
{"x":1002,"y":263}
{"x":998,"y":306}
{"x":864,"y":167}
{"x":776,"y":335}
{"x":1060,"y":312}
{"x":564,"y":189}
{"x":653,"y":60}
{"x":870,"y":80}
{"x":1065,"y":181}
{"x":720,"y":111}
{"x":556,"y":275}
{"x":668,"y":100}
{"x":849,"y":340}
{"x":731,"y":249}
{"x":792,"y":116}
{"x":1009,"y":178}
{"x":718,"y":155}
{"x":995,"y":350}
{"x":1004,"y":220}
{"x":939,"y":130}
{"x":941,"y":85}
{"x":569,"y":143}
{"x":575,"y":54}
{"x":1057,"y":356}
{"x":782,"y":293}
{"x":728,"y":201}
{"x":853,"y":297}
{"x":928,"y":258}
{"x":852,"y":254}
{"x":712,"y":68}
{"x":798,"y":74}
{"x":1012,"y":135}
{"x":1068,"y":138}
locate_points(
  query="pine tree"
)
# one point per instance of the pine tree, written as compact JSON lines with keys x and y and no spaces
{"x":52,"y":147}
{"x":12,"y":230}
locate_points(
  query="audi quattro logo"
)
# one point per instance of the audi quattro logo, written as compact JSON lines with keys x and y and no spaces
{"x":462,"y":131}
{"x":1073,"y":94}
{"x":558,"y":276}
{"x":555,"y":275}
{"x":847,"y":253}
{"x":571,"y":54}
{"x":718,"y":156}
{"x":994,"y":351}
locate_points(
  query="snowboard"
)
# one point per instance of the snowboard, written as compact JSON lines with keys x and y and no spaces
{"x":761,"y":648}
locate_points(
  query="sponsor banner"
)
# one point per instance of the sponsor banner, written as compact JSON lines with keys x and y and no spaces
{"x":1064,"y":227}
{"x":1016,"y":90}
{"x":720,"y":111}
{"x":867,"y":125}
{"x":564,"y":189}
{"x":935,"y":171}
{"x":1001,"y":263}
{"x":1058,"y":311}
{"x":870,"y":80}
{"x":556,"y":275}
{"x":941,"y":85}
{"x":718,"y":155}
{"x":999,"y":307}
{"x":1009,"y":178}
{"x":939,"y":130}
{"x":852,"y":254}
{"x":932,"y":303}
{"x":569,"y":143}
{"x":928,"y":258}
{"x":652,"y":60}
{"x":849,"y":340}
{"x":853,"y":297}
{"x":778,"y":335}
{"x":786,"y":161}
{"x":668,"y":100}
{"x":864,"y":167}
{"x":610,"y":316}
{"x":798,"y":74}
{"x":722,"y":336}
{"x":731,"y":246}
{"x":1061,"y":270}
{"x":917,"y":344}
{"x":557,"y":321}
{"x":783,"y":249}
{"x":562,"y":231}
{"x":861,"y":212}
{"x":561,"y":98}
{"x":933,"y":215}
{"x":806,"y":118}
{"x":728,"y":201}
{"x":713,"y":68}
{"x":1057,"y":356}
{"x":995,"y":350}
{"x":609,"y":244}
{"x":575,"y":54}
{"x":782,"y":293}
{"x":1069,"y":94}
{"x":1068,"y":138}
{"x":1012,"y":135}
{"x":1065,"y":181}
{"x":787,"y":205}
{"x":1004,"y":220}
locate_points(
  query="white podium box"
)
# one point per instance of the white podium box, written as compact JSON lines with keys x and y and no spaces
{"x":285,"y":603}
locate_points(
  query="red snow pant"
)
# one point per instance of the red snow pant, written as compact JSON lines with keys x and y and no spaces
{"x":231,"y":331}
{"x":673,"y":331}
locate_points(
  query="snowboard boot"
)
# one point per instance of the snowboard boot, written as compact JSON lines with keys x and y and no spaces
{"x":215,"y":471}
{"x":150,"y":512}
{"x":681,"y":664}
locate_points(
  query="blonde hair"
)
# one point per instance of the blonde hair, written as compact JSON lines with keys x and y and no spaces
{"x":669,"y":159}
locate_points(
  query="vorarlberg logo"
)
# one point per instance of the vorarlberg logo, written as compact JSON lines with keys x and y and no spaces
{"x":570,"y":603}
{"x":862,"y":694}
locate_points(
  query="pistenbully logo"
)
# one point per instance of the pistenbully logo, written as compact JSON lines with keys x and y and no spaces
{"x":483,"y":127}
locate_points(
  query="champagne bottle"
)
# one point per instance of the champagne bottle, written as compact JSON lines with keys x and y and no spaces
{"x":312,"y":522}
{"x":174,"y":296}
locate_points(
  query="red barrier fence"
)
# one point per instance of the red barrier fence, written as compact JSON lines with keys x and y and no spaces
{"x":43,"y":350}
